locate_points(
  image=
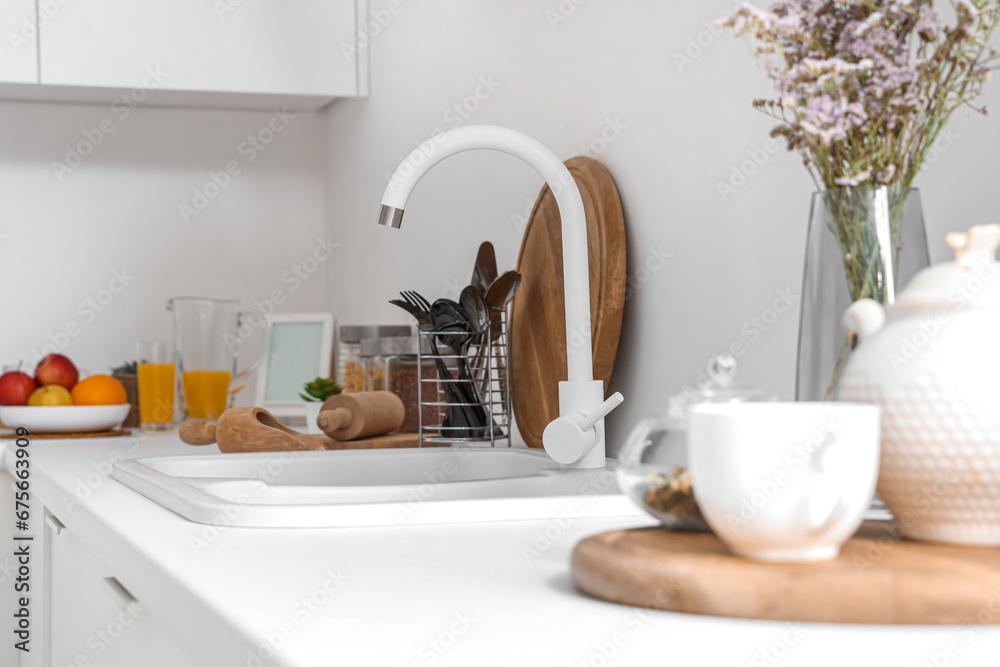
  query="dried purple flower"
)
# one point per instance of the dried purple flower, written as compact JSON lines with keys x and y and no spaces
{"x":865,"y":86}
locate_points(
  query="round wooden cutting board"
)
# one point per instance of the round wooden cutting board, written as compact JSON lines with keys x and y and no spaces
{"x":875,"y":580}
{"x":538,"y":316}
{"x":64,"y":436}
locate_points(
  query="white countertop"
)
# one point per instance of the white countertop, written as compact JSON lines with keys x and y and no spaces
{"x":417,"y":595}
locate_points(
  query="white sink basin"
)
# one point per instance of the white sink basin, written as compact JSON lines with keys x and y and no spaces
{"x":373,"y":487}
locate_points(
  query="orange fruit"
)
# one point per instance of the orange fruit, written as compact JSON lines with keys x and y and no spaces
{"x":99,"y":390}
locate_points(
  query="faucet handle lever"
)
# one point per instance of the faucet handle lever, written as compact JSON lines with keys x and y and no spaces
{"x":602,"y":411}
{"x":572,"y":437}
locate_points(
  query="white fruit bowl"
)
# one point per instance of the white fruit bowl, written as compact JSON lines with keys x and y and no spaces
{"x":65,"y":418}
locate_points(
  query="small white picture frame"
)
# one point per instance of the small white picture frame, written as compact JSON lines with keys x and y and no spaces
{"x":299,"y":349}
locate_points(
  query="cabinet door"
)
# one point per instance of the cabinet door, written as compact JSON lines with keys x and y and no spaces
{"x":19,"y":34}
{"x":95,"y":621}
{"x":289,"y":47}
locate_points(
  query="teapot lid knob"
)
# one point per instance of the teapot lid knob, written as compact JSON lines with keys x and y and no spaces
{"x":976,"y":245}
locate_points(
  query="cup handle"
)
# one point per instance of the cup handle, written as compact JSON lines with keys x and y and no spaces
{"x":239,"y":380}
{"x":825,"y":505}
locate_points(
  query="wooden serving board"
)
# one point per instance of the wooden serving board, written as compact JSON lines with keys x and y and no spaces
{"x":391,"y":441}
{"x":538,"y":315}
{"x":875,"y":580}
{"x":61,"y":436}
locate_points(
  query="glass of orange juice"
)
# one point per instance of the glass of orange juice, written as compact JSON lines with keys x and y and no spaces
{"x":208,"y":334}
{"x":157,"y":379}
{"x":207,"y":392}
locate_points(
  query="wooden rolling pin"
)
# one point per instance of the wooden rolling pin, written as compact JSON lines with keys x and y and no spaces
{"x":361,"y":415}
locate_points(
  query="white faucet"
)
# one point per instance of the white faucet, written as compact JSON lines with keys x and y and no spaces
{"x":576,"y":438}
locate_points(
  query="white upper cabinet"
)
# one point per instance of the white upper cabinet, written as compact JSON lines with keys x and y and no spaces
{"x":19,"y":48}
{"x":243,"y":53}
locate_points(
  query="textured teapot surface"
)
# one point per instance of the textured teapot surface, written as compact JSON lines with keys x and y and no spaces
{"x":934,"y":367}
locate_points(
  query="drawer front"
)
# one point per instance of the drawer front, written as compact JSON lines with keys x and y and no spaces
{"x":95,"y":621}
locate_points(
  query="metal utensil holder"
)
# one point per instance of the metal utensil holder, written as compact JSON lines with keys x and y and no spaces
{"x":492,"y":379}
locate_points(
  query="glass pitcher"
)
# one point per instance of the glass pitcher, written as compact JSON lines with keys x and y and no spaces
{"x":208,"y":334}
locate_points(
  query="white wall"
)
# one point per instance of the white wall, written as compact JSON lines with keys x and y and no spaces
{"x":65,"y":234}
{"x":687,"y":124}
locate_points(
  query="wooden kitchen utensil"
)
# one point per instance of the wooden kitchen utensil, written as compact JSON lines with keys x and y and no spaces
{"x":248,"y":430}
{"x":63,"y":436}
{"x":877,"y":579}
{"x":256,"y":430}
{"x":197,"y":432}
{"x":538,"y":317}
{"x":361,"y":415}
{"x":391,"y":441}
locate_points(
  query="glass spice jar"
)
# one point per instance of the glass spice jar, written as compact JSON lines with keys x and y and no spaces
{"x":652,"y":464}
{"x":350,"y":365}
{"x":374,"y":352}
{"x":394,"y":366}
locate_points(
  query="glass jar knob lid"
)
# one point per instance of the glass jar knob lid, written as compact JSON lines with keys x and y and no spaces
{"x":718,"y":385}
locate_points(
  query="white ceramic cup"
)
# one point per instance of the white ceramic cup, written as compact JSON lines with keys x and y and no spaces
{"x":784,"y":481}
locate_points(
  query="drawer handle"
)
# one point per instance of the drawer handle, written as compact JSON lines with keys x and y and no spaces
{"x":55,"y":524}
{"x":120,"y":594}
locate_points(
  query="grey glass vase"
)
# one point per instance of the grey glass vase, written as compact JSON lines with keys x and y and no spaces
{"x":863,"y":242}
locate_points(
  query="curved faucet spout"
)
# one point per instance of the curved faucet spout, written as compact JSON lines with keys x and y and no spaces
{"x":576,"y":272}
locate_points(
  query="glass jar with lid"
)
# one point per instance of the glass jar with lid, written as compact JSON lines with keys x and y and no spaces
{"x":392,"y":364}
{"x":350,"y":365}
{"x":652,"y":464}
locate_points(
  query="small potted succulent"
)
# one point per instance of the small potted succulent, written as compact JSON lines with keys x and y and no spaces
{"x":315,"y":393}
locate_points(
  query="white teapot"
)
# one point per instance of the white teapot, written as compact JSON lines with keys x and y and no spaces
{"x":932,"y":361}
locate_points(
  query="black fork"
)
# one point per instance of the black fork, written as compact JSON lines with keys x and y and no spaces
{"x":461,"y":419}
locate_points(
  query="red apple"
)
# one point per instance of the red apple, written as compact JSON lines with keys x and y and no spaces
{"x":15,"y":388}
{"x":56,"y":369}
